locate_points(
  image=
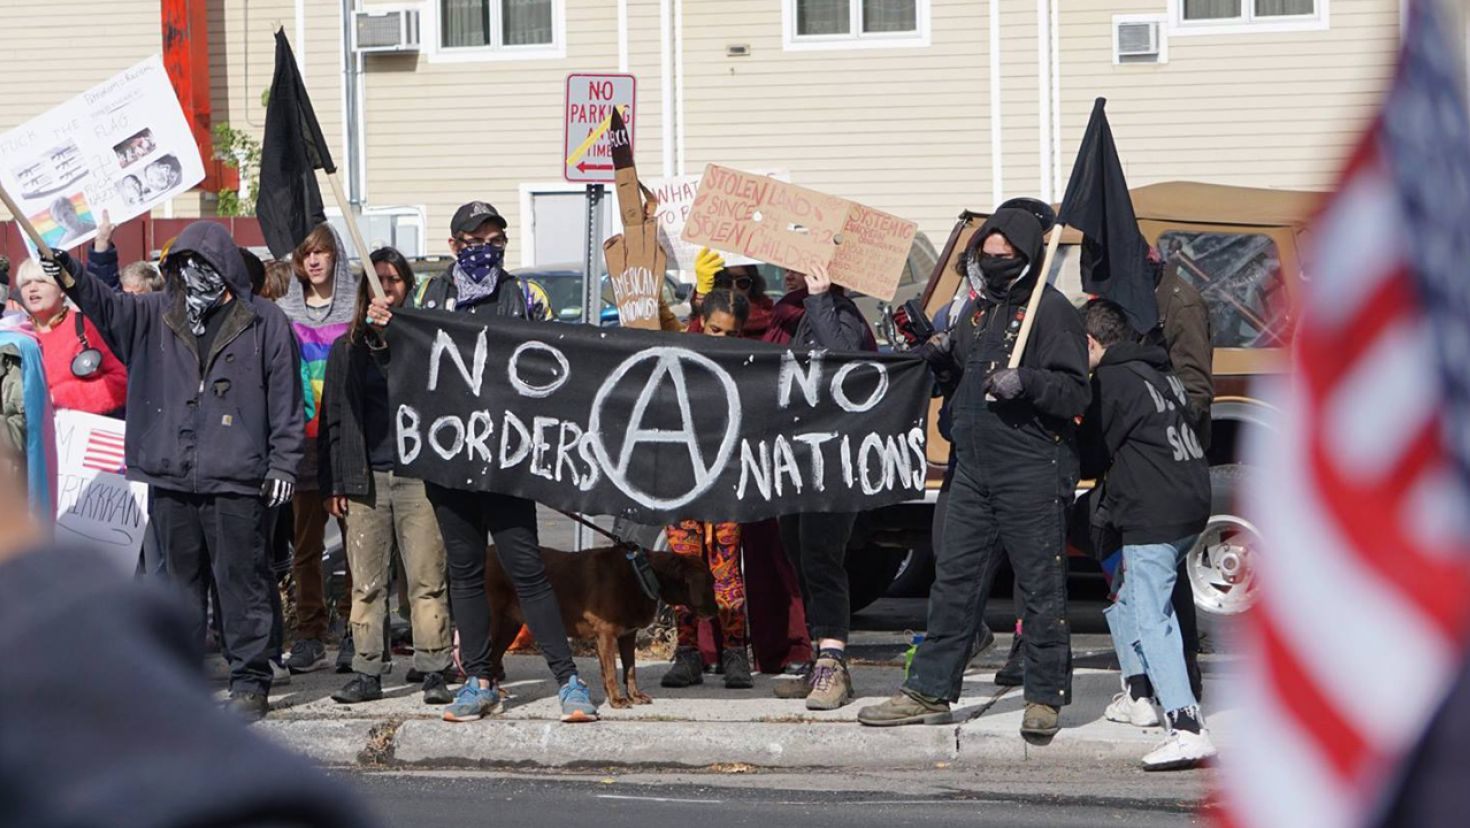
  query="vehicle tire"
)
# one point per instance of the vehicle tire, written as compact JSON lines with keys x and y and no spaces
{"x":870,"y":572}
{"x":1220,"y":565}
{"x":915,"y":573}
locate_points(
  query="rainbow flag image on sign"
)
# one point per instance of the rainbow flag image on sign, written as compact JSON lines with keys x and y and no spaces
{"x":68,"y":218}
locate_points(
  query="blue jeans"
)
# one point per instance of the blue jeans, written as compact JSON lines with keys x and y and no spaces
{"x":1144,"y":627}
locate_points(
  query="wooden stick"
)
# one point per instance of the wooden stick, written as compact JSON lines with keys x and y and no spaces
{"x":25,"y":224}
{"x":362,"y":252}
{"x":1035,"y":301}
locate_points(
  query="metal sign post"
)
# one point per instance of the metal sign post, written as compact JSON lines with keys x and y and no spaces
{"x":591,"y":304}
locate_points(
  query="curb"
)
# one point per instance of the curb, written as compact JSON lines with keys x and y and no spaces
{"x":325,"y":741}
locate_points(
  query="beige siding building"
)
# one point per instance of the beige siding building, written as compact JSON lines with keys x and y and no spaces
{"x":918,"y":107}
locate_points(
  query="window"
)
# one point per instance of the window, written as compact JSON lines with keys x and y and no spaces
{"x":1226,"y":16}
{"x":847,"y":24}
{"x":1239,"y":276}
{"x":515,"y":28}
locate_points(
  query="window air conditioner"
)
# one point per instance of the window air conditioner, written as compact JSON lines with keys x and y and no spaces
{"x":386,"y":31}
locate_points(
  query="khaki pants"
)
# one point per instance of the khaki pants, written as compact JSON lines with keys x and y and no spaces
{"x":397,"y":510}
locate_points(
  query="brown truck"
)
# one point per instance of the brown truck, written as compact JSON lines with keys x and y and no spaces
{"x":1241,"y":248}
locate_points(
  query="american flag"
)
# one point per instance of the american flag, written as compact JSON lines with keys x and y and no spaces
{"x":104,"y":451}
{"x":1364,"y":485}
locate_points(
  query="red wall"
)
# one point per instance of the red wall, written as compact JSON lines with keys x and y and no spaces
{"x":139,"y":238}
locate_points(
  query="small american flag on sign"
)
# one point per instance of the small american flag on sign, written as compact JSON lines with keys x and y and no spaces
{"x":104,"y":451}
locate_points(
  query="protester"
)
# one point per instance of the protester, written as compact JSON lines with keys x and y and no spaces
{"x":722,"y":313}
{"x":817,"y":541}
{"x":25,"y":406}
{"x":478,"y":284}
{"x":215,"y":370}
{"x":1184,"y":330}
{"x":277,"y":282}
{"x":149,"y":749}
{"x":1138,"y":441}
{"x":713,"y":274}
{"x":381,"y":508}
{"x":1015,"y":471}
{"x":318,"y":302}
{"x":81,"y":369}
{"x":139,"y":278}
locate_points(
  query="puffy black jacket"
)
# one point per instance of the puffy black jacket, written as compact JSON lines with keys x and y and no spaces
{"x":832,"y":321}
{"x":1138,"y":439}
{"x":219,"y":430}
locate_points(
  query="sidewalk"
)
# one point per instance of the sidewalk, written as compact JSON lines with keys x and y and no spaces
{"x":702,"y":726}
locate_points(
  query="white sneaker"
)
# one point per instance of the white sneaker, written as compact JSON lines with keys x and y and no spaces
{"x":1131,"y":711}
{"x":1180,"y":750}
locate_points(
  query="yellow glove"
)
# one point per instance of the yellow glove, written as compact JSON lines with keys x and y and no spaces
{"x":706,"y":265}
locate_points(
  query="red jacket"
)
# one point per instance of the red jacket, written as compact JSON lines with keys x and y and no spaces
{"x":104,"y":392}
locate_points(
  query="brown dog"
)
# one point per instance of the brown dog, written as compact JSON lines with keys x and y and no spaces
{"x":600,"y":599}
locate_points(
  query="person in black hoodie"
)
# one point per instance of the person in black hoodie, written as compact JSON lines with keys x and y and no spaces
{"x":216,"y":429}
{"x":477,"y":283}
{"x":1015,"y":473}
{"x":1139,"y":441}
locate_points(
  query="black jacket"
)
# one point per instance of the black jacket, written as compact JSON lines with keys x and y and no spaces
{"x":343,"y":467}
{"x":1053,"y":366}
{"x":1138,"y":440}
{"x":440,"y":293}
{"x":832,"y":321}
{"x":221,"y":430}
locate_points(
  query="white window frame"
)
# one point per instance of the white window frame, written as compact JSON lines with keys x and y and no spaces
{"x":432,"y":43}
{"x":1248,"y":22}
{"x":413,"y":215}
{"x":1142,"y":18}
{"x":856,"y":38}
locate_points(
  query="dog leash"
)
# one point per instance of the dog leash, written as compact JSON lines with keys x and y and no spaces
{"x":642,"y":569}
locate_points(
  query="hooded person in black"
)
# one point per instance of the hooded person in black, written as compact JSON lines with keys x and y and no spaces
{"x":215,"y":427}
{"x":1015,"y":474}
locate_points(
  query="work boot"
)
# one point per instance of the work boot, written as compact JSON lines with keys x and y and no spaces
{"x":737,"y":669}
{"x":688,"y":669}
{"x":1013,"y":674}
{"x":1041,"y":721}
{"x":794,"y":685}
{"x":360,"y":688}
{"x":904,"y":709}
{"x":831,"y":683}
{"x":250,"y":707}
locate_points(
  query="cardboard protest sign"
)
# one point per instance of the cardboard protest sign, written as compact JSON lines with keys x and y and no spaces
{"x":95,"y":504}
{"x":795,"y":227}
{"x":635,"y":261}
{"x":653,"y":427}
{"x":675,"y":198}
{"x":121,"y":146}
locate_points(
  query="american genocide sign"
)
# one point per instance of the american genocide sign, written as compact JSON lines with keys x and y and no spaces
{"x":652,"y":426}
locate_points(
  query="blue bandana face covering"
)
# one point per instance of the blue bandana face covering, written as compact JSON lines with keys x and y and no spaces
{"x":480,"y":261}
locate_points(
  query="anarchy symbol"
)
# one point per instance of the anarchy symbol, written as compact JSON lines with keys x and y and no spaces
{"x":669,"y":366}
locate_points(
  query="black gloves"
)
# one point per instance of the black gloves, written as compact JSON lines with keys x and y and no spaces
{"x":1005,"y":384}
{"x":62,"y":269}
{"x":276,"y":492}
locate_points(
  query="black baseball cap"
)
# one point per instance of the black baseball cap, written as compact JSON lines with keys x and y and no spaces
{"x":469,"y":217}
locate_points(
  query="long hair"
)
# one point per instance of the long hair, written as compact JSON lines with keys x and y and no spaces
{"x":320,"y":239}
{"x":358,"y":331}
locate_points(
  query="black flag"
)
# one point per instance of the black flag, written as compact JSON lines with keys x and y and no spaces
{"x":1114,"y":254}
{"x":289,"y":203}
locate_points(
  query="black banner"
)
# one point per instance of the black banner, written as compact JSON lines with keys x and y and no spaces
{"x":652,"y":426}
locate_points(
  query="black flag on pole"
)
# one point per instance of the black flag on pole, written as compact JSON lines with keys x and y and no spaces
{"x":1114,"y":254}
{"x":289,"y":203}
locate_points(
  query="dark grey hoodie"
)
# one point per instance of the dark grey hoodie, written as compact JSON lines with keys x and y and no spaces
{"x":219,"y":430}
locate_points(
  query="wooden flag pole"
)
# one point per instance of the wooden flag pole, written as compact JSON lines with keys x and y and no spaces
{"x":1035,"y":301}
{"x":25,"y":224}
{"x":367,"y":266}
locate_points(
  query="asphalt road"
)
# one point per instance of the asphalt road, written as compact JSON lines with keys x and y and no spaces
{"x":427,"y":800}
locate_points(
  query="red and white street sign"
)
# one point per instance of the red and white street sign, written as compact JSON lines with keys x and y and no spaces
{"x":587,"y":157}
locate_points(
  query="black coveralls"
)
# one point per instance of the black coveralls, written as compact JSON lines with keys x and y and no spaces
{"x":1015,"y":474}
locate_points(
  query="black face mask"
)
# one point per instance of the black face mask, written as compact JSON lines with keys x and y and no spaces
{"x":1000,"y":272}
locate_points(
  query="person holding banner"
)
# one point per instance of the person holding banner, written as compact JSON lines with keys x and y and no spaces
{"x":1015,"y":473}
{"x":478,"y":284}
{"x":216,"y":393}
{"x":817,"y":541}
{"x":319,"y":304}
{"x":382,"y":509}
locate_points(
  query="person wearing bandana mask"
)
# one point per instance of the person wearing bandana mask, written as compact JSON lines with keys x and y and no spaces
{"x":215,"y":428}
{"x":477,"y":283}
{"x":1016,"y":468}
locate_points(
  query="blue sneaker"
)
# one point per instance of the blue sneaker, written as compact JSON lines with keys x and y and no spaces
{"x":474,"y":702}
{"x":576,"y":702}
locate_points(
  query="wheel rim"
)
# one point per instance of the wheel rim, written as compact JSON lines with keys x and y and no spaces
{"x":1221,"y":565}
